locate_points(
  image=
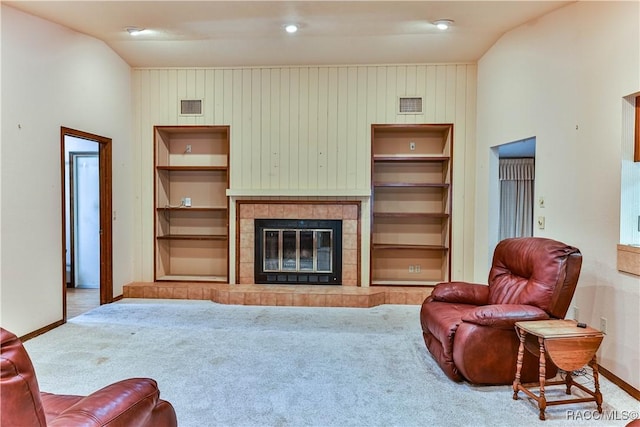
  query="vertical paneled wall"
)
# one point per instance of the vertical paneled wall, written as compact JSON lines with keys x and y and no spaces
{"x":299,"y":129}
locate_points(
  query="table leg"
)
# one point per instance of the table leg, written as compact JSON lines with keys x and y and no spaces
{"x":569,"y":382}
{"x":542,"y":402}
{"x":516,"y":381}
{"x":597,"y":394}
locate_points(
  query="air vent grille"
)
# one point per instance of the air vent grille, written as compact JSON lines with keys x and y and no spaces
{"x":410,"y":105}
{"x":191,"y":107}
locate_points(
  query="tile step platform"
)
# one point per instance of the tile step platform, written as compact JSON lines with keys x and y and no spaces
{"x":291,"y":295}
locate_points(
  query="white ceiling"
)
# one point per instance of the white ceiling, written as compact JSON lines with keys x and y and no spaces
{"x":250,"y":33}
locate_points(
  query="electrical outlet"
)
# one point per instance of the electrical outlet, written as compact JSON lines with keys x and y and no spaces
{"x":412,"y":146}
{"x":576,"y":313}
{"x":412,"y":269}
{"x":603,"y":325}
{"x":418,"y":268}
{"x":188,"y":149}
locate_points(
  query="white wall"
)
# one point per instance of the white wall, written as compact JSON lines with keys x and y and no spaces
{"x":562,"y":79}
{"x":53,"y":77}
{"x":300,"y":131}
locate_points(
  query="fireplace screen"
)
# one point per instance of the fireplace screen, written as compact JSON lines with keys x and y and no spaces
{"x":298,"y":251}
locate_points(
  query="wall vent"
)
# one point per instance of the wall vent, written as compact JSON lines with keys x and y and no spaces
{"x":191,"y":107}
{"x":410,"y":105}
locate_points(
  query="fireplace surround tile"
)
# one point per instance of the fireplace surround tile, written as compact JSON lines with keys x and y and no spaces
{"x":247,"y":211}
{"x":320,"y":212}
{"x":334,"y":212}
{"x":290,"y":212}
{"x":305,"y":211}
{"x":247,"y":256}
{"x":349,"y":257}
{"x":247,"y":239}
{"x":349,"y":212}
{"x":261,"y":210}
{"x":350,"y":226}
{"x":276,"y":210}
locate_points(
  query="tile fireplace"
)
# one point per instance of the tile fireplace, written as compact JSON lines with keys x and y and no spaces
{"x":307,"y":227}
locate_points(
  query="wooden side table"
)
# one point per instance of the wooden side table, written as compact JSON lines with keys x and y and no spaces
{"x":569,"y":348}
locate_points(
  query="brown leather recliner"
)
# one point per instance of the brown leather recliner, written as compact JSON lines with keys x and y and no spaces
{"x":131,"y":402}
{"x":469,"y":328}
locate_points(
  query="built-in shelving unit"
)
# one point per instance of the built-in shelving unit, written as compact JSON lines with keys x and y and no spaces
{"x":411,"y":209}
{"x":191,"y":206}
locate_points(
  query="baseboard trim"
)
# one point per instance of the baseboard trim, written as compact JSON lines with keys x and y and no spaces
{"x":41,"y":330}
{"x":632,"y":391}
{"x":55,"y":325}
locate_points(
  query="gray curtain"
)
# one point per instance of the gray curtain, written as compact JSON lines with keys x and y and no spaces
{"x":516,"y":197}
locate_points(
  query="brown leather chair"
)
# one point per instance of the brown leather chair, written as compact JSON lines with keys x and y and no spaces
{"x":131,"y":402}
{"x":469,"y":328}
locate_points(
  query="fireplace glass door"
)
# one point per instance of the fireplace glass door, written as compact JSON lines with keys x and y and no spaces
{"x":305,"y":251}
{"x":297,"y":250}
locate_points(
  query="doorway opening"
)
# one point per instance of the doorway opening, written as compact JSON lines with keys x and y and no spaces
{"x":86,"y":226}
{"x":511,"y":194}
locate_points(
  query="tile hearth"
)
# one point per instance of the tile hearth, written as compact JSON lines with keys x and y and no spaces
{"x":283,"y":295}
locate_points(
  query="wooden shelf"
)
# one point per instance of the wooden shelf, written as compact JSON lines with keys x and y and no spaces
{"x":409,"y":185}
{"x":417,"y":215}
{"x":192,"y":168}
{"x":411,"y":176}
{"x":383,"y":246}
{"x":405,"y":282}
{"x":192,"y":208}
{"x":192,"y":237}
{"x":191,"y":278}
{"x":405,"y":158}
{"x":192,"y":243}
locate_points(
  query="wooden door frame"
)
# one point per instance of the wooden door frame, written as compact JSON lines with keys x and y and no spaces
{"x":106,"y":235}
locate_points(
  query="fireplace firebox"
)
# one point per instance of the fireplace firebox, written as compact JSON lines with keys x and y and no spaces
{"x":298,"y":251}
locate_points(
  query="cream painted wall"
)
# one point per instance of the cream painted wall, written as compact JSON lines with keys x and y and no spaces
{"x":562,"y":79}
{"x":305,"y":131}
{"x":53,"y":77}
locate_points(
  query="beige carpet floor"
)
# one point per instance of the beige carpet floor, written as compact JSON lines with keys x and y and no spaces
{"x":225,"y":365}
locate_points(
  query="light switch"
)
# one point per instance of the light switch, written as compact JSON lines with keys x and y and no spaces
{"x":541,"y":222}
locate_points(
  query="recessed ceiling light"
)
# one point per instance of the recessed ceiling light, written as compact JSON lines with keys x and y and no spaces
{"x":134,"y":31}
{"x":291,"y":28}
{"x":443,"y":24}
